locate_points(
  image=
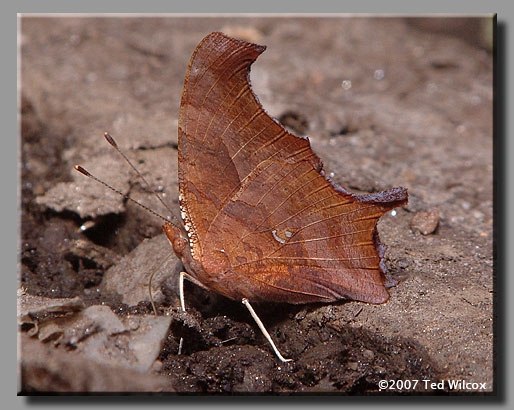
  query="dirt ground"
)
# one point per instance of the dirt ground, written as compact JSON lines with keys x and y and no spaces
{"x":385,"y":102}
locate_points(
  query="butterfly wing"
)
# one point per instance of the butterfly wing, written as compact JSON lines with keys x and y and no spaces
{"x":263,"y":220}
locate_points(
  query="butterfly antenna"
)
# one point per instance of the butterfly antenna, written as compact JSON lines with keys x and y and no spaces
{"x":89,"y":175}
{"x":113,"y":143}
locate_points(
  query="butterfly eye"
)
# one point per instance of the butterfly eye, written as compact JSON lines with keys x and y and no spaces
{"x":179,"y":245}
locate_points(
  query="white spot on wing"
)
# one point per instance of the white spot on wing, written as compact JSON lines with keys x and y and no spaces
{"x":277,"y":238}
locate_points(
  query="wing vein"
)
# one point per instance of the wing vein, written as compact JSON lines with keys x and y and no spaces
{"x":291,"y":194}
{"x":214,"y":116}
{"x":239,"y":185}
{"x":319,"y":239}
{"x":311,"y":205}
{"x":266,"y":194}
{"x":200,"y":110}
{"x":331,"y":217}
{"x":260,"y":260}
{"x":290,"y":290}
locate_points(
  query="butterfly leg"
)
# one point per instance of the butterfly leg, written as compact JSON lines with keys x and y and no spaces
{"x":183,"y":275}
{"x":181,"y":290}
{"x":182,"y":304}
{"x":263,"y":329}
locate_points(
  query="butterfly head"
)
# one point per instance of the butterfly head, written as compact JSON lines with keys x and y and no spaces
{"x":178,"y":239}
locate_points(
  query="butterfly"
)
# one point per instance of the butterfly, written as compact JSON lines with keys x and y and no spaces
{"x":261,"y":221}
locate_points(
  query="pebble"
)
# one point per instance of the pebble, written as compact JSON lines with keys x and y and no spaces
{"x":425,"y":222}
{"x":353,"y":365}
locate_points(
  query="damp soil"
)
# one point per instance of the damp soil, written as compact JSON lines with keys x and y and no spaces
{"x":385,"y":102}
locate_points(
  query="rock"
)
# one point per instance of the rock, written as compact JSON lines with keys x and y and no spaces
{"x":425,"y":222}
{"x":130,"y":277}
{"x":98,"y":334}
{"x":44,"y":368}
{"x":86,"y":197}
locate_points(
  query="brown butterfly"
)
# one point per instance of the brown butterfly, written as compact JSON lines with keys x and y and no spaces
{"x":260,"y":219}
{"x":262,"y":222}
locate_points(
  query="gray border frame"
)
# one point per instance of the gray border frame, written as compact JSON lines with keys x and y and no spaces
{"x":504,"y":187}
